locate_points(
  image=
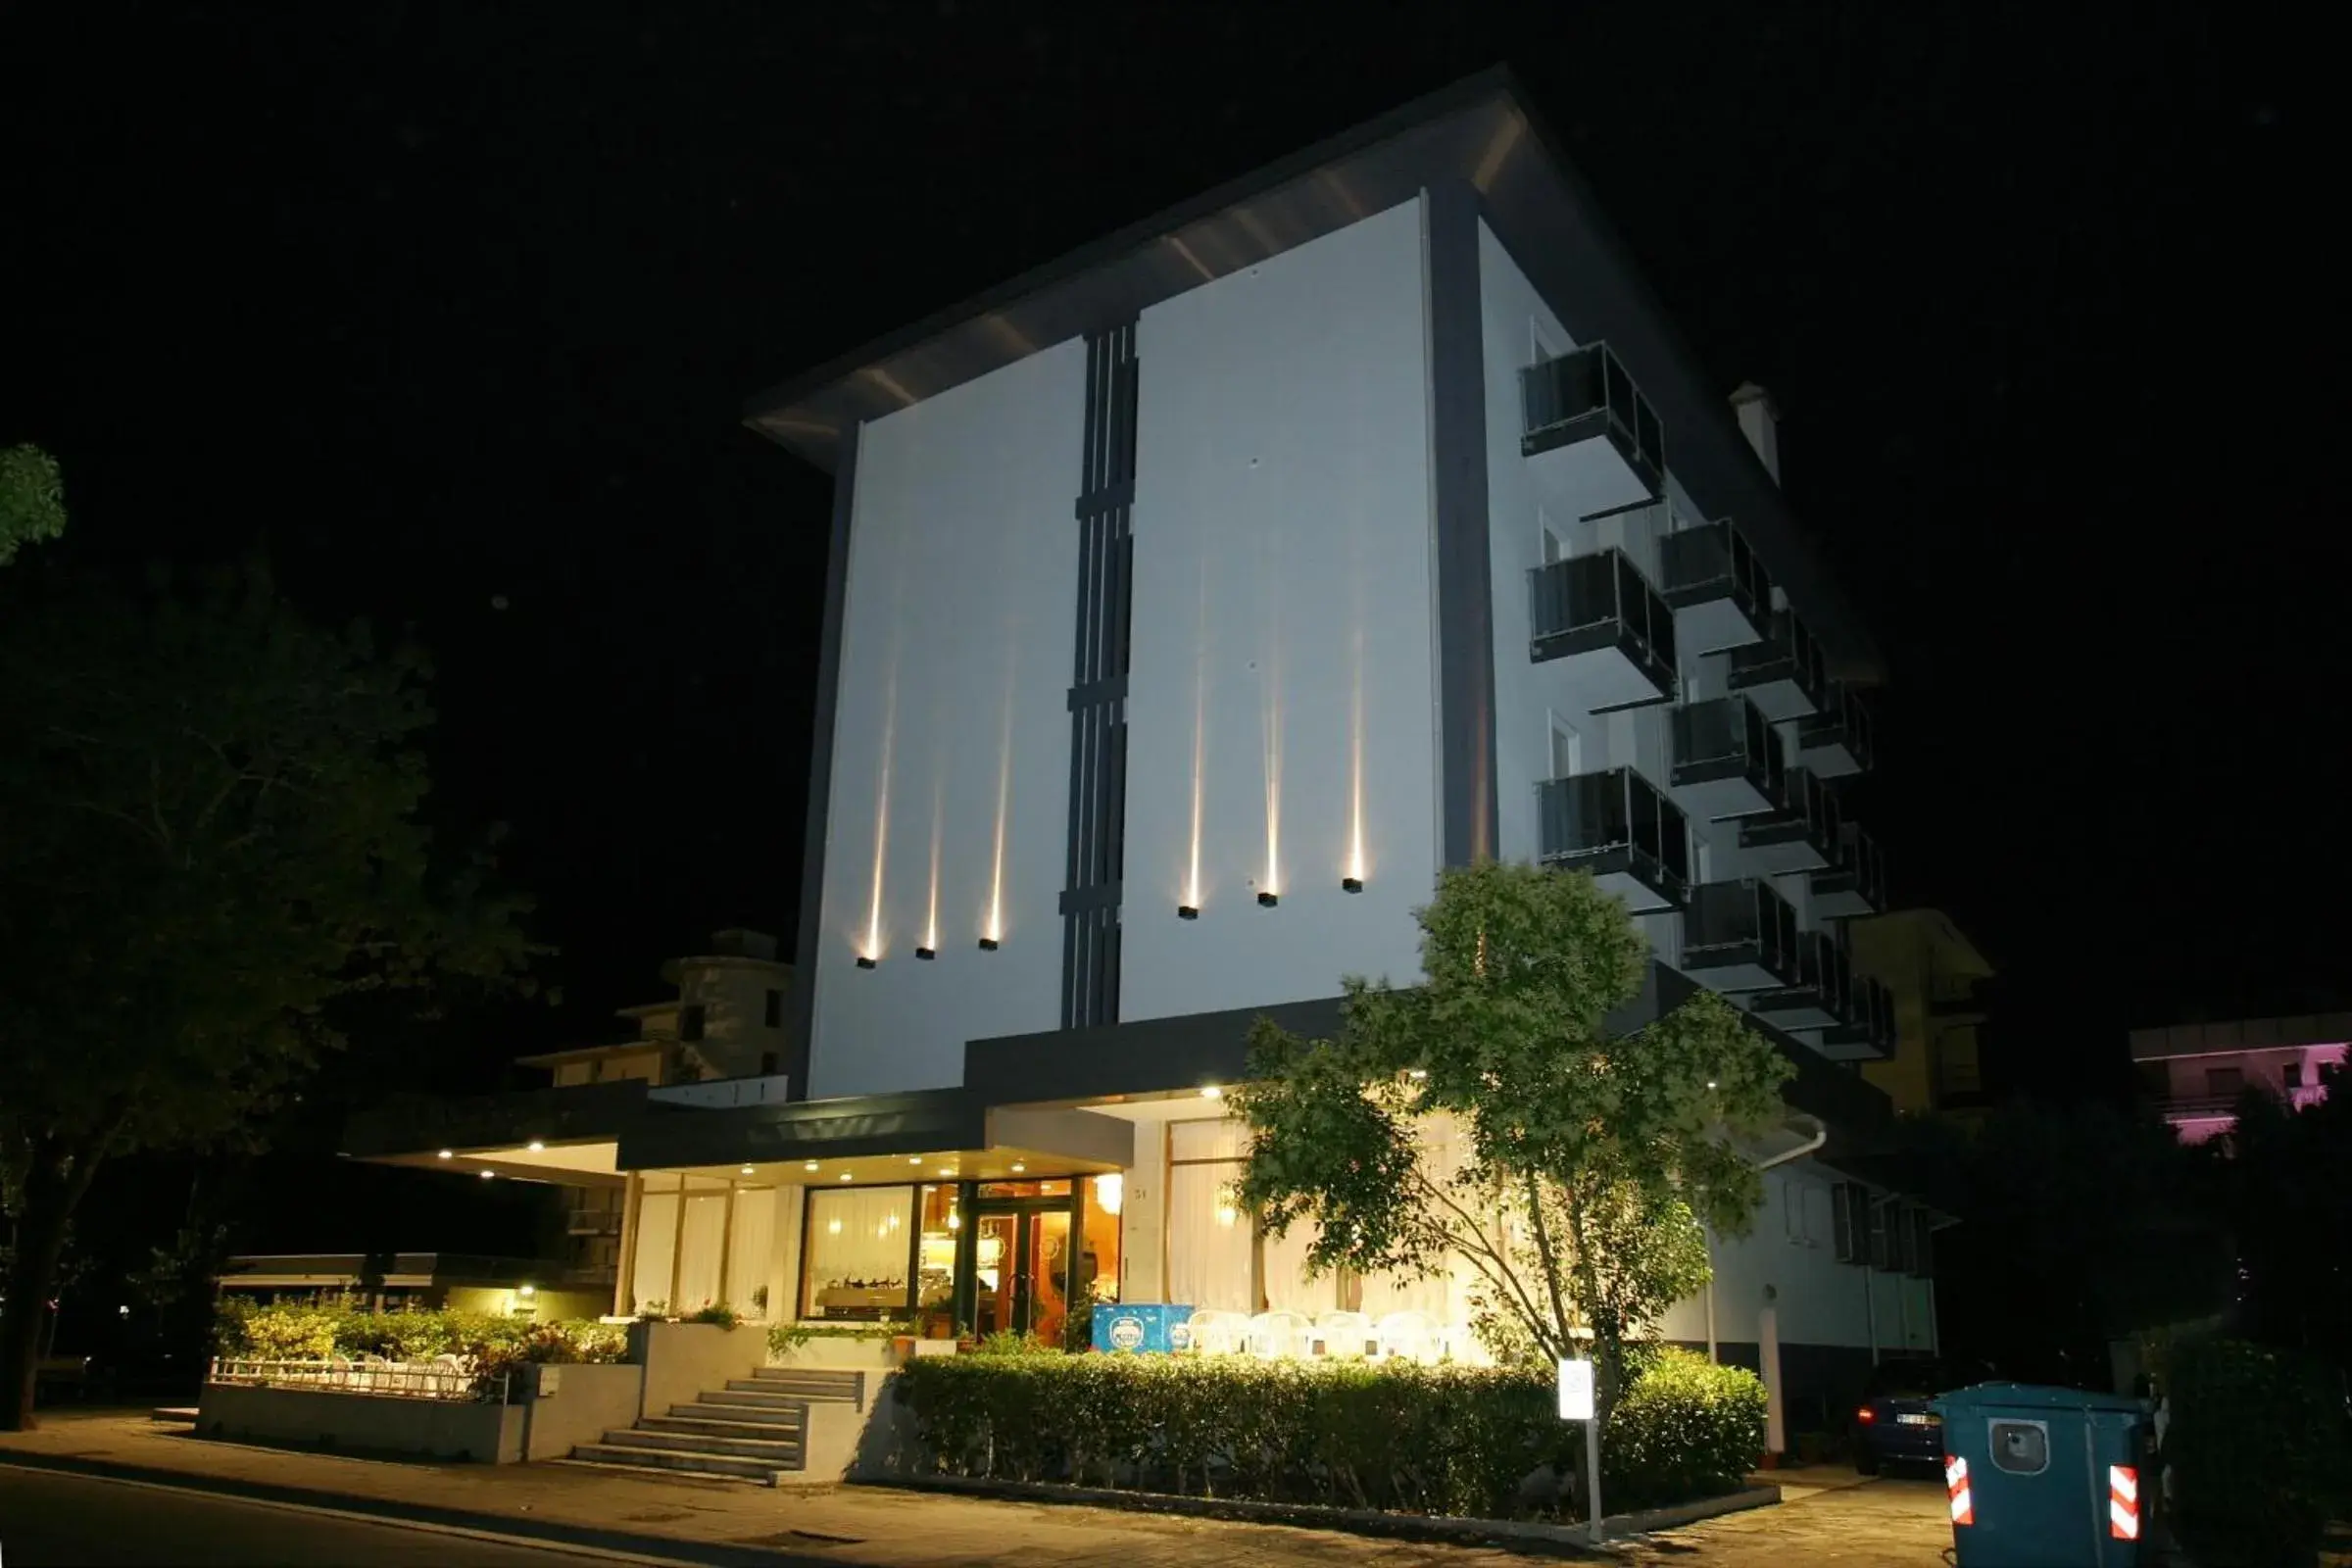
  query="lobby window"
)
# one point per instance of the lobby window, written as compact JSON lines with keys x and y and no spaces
{"x":861,"y":1246}
{"x":1209,"y":1238}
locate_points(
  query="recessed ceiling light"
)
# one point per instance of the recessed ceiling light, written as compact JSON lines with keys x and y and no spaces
{"x":845,"y":1175}
{"x":1211,"y":1092}
{"x":746,"y":1170}
{"x":536,"y":1146}
{"x":915,"y":1159}
{"x":486,"y":1175}
{"x":1019,"y":1166}
{"x":446,"y":1154}
{"x":812,"y":1165}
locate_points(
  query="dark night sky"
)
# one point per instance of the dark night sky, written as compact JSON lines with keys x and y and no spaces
{"x":447,"y":307}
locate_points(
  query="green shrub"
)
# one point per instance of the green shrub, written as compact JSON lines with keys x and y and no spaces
{"x":1686,"y":1428}
{"x":2258,"y":1451}
{"x":785,"y":1337}
{"x":1455,"y":1441}
{"x":304,"y":1333}
{"x":718,"y":1312}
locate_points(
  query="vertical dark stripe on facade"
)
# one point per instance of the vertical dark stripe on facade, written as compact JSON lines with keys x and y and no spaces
{"x":802,"y":996}
{"x":1098,"y":699}
{"x":1457,"y":400}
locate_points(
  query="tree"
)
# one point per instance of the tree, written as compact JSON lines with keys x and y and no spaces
{"x":33,"y":499}
{"x":212,"y":850}
{"x":1489,"y":1116}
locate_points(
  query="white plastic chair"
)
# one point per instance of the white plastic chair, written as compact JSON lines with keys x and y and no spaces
{"x":1346,"y":1336}
{"x":1408,"y":1335}
{"x":1278,"y":1334}
{"x":1218,"y":1333}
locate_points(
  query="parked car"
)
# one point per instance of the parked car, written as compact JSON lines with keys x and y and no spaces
{"x":1895,"y":1425}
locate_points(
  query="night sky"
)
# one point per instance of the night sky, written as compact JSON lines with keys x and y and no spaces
{"x":453,"y":310}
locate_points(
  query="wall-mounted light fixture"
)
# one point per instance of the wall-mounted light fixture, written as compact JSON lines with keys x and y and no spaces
{"x":1188,"y":911}
{"x":1351,"y":884}
{"x":988,"y":944}
{"x":1267,"y":900}
{"x":926,"y":953}
{"x":865,"y":960}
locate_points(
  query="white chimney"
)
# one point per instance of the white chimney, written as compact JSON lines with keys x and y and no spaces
{"x":1760,"y":422}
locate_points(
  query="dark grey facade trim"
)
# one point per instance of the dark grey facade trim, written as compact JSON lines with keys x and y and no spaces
{"x":930,"y":1121}
{"x":801,"y":1033}
{"x":1482,"y":131}
{"x":1147,"y":1056}
{"x":1465,"y":585}
{"x":420,"y":1124}
{"x":1098,"y":694}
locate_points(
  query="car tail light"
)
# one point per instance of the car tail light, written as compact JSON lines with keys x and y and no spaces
{"x":1866,"y":1413}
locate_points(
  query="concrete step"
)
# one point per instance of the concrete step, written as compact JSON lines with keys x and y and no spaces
{"x":785,"y":1452}
{"x":711,"y":1427}
{"x":820,"y":1384}
{"x":763,"y":1471}
{"x":747,"y":1394}
{"x":711,"y":1408}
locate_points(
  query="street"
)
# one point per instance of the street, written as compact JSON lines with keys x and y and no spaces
{"x":47,"y":1518}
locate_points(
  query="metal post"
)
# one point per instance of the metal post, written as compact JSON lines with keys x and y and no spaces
{"x":1592,"y":1474}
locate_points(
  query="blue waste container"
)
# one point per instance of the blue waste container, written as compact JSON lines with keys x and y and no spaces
{"x":2046,"y":1478}
{"x":1147,"y":1327}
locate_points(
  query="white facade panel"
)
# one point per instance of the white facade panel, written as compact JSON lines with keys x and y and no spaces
{"x":949,"y":811}
{"x":1281,"y":691}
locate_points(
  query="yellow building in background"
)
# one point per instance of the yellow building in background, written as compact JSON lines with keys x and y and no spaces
{"x":1936,"y":977}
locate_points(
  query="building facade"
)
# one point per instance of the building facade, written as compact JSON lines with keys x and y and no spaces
{"x":2194,"y":1073}
{"x":1936,"y":981}
{"x":1193,"y":603}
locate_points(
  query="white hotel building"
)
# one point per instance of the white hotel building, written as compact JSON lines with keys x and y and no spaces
{"x":1193,"y":601}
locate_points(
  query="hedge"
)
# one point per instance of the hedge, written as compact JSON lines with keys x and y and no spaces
{"x":2258,"y":1449}
{"x":1452,"y":1441}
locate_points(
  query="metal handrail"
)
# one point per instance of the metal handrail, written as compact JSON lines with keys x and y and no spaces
{"x":449,"y":1377}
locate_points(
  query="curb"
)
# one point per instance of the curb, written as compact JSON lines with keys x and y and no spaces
{"x":1569,"y":1539}
{"x":424,"y":1516}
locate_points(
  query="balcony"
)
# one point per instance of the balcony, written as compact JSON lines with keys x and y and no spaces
{"x":1591,"y":439}
{"x":1867,"y":1033}
{"x":1800,"y":833}
{"x":1623,"y":830}
{"x":1740,"y":936}
{"x":1837,"y":741}
{"x":1717,"y":588}
{"x":1781,"y":674}
{"x":1819,"y":998}
{"x":1855,"y":882}
{"x":1727,"y":760}
{"x":1598,"y":619}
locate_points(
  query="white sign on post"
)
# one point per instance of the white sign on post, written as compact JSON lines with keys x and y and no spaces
{"x":1576,"y":1405}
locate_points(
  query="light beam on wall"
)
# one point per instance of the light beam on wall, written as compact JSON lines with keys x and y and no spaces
{"x":871,"y":953}
{"x":1192,"y":874}
{"x":1352,"y":878}
{"x":1270,"y":706}
{"x":992,"y":929}
{"x":931,"y":914}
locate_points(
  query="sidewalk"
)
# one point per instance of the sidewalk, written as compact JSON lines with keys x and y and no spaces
{"x":700,"y":1519}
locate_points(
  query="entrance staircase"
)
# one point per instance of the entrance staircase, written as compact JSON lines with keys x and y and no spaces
{"x":755,"y":1429}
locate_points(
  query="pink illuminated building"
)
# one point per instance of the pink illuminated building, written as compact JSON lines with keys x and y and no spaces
{"x":2195,"y":1072}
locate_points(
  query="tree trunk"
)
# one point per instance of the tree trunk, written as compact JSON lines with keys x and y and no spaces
{"x":54,"y":1186}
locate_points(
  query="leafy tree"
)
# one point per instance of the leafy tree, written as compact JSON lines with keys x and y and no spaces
{"x":212,"y":848}
{"x":33,"y":499}
{"x":1489,"y":1116}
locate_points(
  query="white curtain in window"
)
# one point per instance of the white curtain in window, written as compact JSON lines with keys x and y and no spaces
{"x":857,"y":1236}
{"x":746,"y":1257}
{"x":1288,"y":1287}
{"x":1209,"y":1243}
{"x":657,"y":1243}
{"x":700,"y":1240}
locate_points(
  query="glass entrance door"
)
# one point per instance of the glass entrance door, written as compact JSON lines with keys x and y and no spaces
{"x":1021,"y":1266}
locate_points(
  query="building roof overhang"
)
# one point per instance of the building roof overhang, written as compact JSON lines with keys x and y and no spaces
{"x":1482,"y":131}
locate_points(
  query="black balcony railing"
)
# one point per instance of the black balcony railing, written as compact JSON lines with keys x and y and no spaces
{"x":1726,"y":738}
{"x":1741,"y":925}
{"x":1807,"y":817}
{"x":1585,"y":394}
{"x":1868,"y":1027}
{"x":1855,"y":880}
{"x":1615,"y":820}
{"x":1713,"y":562}
{"x":1841,"y":726}
{"x":1601,"y":600}
{"x":1787,"y":656}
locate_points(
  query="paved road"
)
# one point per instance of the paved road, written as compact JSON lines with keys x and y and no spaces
{"x":47,"y":1519}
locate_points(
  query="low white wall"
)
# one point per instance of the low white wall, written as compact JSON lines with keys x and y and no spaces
{"x":376,"y":1423}
{"x":830,"y":1353}
{"x":846,"y":1442}
{"x":684,"y":1359}
{"x":585,"y":1403}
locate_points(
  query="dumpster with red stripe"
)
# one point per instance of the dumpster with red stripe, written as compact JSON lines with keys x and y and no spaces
{"x":2044,"y":1477}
